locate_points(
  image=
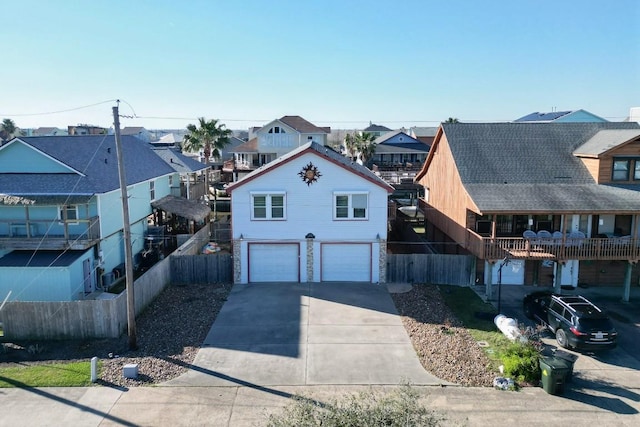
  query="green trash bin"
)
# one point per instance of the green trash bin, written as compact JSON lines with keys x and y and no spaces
{"x":554,"y":371}
{"x":570,"y":359}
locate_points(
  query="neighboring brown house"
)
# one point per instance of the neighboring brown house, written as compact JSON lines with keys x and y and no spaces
{"x":537,"y":204}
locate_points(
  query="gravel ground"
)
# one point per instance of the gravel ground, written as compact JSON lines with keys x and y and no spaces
{"x":173,"y":327}
{"x":444,"y":347}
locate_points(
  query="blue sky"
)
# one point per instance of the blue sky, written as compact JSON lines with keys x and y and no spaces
{"x":336,"y":63}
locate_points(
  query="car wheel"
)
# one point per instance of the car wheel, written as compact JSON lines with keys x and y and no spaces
{"x":561,"y":338}
{"x":528,"y":311}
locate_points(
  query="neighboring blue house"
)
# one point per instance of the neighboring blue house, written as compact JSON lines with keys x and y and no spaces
{"x":61,"y":225}
{"x":397,"y":149}
{"x":575,"y":116}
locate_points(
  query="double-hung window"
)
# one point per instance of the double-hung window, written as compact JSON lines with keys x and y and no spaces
{"x":268,"y":205}
{"x":620,"y":170}
{"x":350,"y":205}
{"x":152,"y":190}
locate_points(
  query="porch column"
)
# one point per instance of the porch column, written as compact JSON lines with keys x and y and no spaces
{"x":557,"y":279}
{"x":488,"y":288}
{"x":382,"y":258}
{"x":627,"y":282}
{"x":310,"y":238}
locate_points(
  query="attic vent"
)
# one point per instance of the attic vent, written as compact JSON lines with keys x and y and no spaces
{"x":562,"y":177}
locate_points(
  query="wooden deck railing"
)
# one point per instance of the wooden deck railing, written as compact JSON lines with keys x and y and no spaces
{"x":49,"y":234}
{"x":615,"y":248}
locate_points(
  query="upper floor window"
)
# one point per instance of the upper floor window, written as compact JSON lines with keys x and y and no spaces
{"x":621,"y":169}
{"x":268,"y":206}
{"x":350,"y":205}
{"x":152,"y":189}
{"x":68,"y":213}
{"x":276,"y":129}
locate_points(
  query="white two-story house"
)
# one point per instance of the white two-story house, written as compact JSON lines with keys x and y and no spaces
{"x":271,"y":141}
{"x":311,"y":215}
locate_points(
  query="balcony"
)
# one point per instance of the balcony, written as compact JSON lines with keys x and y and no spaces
{"x":614,"y":248}
{"x":77,"y":234}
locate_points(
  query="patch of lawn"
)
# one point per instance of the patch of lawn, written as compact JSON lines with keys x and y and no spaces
{"x":74,"y":374}
{"x":477,"y":317}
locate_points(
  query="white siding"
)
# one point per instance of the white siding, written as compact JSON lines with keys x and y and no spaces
{"x":309,"y":209}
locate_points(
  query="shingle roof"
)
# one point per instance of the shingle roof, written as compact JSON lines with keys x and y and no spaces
{"x":331,"y":155}
{"x":178,"y":161}
{"x":303,"y":126}
{"x":92,"y":155}
{"x":250,"y":146}
{"x":376,"y":128}
{"x":531,"y":166}
{"x":605,"y":140}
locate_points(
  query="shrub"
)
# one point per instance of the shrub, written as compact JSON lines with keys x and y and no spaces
{"x":520,"y":361}
{"x":399,"y":408}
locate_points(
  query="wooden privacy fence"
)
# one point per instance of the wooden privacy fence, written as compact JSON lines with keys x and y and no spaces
{"x":431,"y":268}
{"x":201,"y":269}
{"x":95,"y":318}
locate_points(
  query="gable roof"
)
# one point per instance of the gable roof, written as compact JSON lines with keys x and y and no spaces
{"x":606,"y":140}
{"x":303,"y":126}
{"x":322,"y":151}
{"x":93,"y":156}
{"x":411,"y":141}
{"x":531,"y":167}
{"x":554,"y":116}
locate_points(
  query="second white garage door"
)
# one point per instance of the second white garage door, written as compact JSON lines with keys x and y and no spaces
{"x":346,"y":262}
{"x":274,"y":262}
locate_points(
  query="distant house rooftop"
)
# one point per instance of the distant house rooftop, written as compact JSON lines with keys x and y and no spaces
{"x":560,"y":116}
{"x":376,"y":128}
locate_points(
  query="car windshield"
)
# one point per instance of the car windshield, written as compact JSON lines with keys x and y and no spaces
{"x":601,"y":324}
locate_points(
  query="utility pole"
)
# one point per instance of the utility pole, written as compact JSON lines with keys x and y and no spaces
{"x":128,"y":251}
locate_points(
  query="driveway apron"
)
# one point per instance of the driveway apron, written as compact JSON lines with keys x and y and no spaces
{"x":270,"y":334}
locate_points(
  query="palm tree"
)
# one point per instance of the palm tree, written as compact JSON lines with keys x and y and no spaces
{"x":210,"y":137}
{"x":451,"y":120}
{"x":366,"y":146}
{"x":351,"y":145}
{"x":7,"y":129}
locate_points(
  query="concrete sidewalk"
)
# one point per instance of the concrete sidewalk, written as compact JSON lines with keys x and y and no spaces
{"x":250,"y":406}
{"x":276,"y":334}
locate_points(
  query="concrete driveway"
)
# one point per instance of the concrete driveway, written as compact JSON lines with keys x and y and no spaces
{"x":273,"y":334}
{"x":617,"y":370}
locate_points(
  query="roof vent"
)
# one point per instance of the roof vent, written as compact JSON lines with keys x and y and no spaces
{"x":171,"y":160}
{"x":105,"y":161}
{"x":109,"y":150}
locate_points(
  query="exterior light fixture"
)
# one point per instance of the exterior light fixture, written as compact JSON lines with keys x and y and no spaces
{"x":310,"y":236}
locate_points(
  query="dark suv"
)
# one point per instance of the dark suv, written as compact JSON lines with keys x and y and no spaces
{"x":576,"y":321}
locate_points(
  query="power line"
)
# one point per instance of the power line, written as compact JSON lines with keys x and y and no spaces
{"x":58,"y":111}
{"x":262,"y":120}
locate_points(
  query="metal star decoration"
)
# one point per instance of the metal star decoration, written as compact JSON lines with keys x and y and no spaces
{"x":309,"y":174}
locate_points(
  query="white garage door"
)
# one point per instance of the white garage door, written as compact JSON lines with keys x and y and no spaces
{"x":342,"y":262}
{"x":274,"y":262}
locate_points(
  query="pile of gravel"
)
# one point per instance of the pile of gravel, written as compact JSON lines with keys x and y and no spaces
{"x":444,"y":347}
{"x":169,"y":334}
